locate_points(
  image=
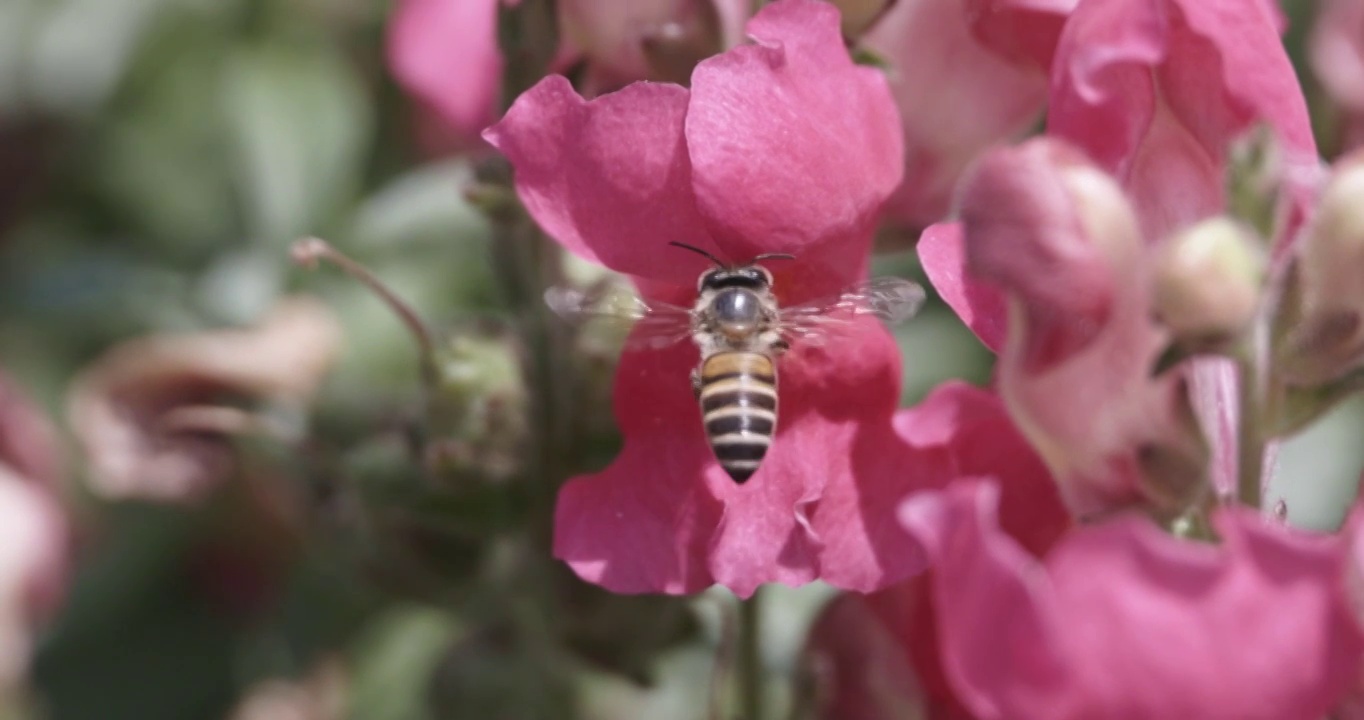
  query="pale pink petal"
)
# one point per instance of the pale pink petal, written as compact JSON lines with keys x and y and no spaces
{"x":955,"y":97}
{"x":794,"y":147}
{"x":33,"y":569}
{"x":1125,"y":622}
{"x":28,"y":440}
{"x":942,"y":252}
{"x":444,"y":52}
{"x":609,"y":178}
{"x":1336,"y":51}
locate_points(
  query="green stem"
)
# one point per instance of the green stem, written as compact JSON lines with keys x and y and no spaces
{"x":752,"y":679}
{"x":1250,"y":436}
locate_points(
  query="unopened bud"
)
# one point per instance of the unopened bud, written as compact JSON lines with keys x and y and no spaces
{"x":478,"y":415}
{"x":1208,"y":281}
{"x":1320,"y":324}
{"x":1255,"y":170}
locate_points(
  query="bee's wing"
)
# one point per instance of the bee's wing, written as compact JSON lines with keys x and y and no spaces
{"x":891,"y":299}
{"x":652,"y":323}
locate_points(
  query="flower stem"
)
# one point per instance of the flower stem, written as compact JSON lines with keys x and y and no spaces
{"x":752,"y":679}
{"x":1250,"y":436}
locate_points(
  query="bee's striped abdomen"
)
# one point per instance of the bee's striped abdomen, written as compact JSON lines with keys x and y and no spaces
{"x":739,"y":407}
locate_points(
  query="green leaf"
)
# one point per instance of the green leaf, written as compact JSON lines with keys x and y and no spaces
{"x":300,"y":120}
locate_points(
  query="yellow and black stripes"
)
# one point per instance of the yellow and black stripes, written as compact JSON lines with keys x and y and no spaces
{"x":739,"y":407}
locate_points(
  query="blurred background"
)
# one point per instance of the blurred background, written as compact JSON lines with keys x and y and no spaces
{"x":158,"y":158}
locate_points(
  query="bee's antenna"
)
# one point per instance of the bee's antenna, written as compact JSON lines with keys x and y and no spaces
{"x":774,"y":256}
{"x":700,"y":251}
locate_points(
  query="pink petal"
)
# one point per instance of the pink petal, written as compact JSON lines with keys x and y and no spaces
{"x":1021,"y":30}
{"x":955,"y":99}
{"x":28,"y":440}
{"x":444,"y":52}
{"x":33,"y":569}
{"x":1059,"y":239}
{"x":856,"y":670}
{"x":942,"y":252}
{"x":794,"y":147}
{"x":1123,"y":621}
{"x":1336,"y":51}
{"x":1155,"y":89}
{"x":664,"y":518}
{"x":608,"y":178}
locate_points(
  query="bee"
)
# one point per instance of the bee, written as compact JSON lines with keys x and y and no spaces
{"x":741,"y":331}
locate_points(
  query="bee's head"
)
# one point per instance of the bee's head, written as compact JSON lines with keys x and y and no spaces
{"x":750,"y":275}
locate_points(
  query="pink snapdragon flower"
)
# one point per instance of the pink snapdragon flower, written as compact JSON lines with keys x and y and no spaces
{"x":1120,"y":620}
{"x":781,"y":146}
{"x":956,"y":95}
{"x":445,"y":53}
{"x":1154,"y":91}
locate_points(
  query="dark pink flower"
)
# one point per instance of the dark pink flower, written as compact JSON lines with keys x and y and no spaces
{"x":1024,"y":31}
{"x":782,"y":146}
{"x":956,"y":97}
{"x":1123,"y":621}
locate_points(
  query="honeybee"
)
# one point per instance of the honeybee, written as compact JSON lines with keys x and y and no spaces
{"x":741,"y":332}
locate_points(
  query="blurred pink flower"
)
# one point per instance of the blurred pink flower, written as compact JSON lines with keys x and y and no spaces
{"x":1123,"y":621}
{"x":782,"y":146}
{"x":1057,"y":237}
{"x":154,"y":415}
{"x":1336,"y":53}
{"x":1155,"y":91}
{"x":445,"y":53}
{"x":956,"y":97}
{"x":34,"y":539}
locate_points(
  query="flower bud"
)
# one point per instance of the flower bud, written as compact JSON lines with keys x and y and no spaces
{"x":477,"y":418}
{"x":1320,"y":323}
{"x":1207,"y":282}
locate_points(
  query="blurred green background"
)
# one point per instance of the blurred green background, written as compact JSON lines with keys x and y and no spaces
{"x":157,"y":159}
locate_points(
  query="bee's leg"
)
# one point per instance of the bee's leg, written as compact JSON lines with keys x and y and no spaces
{"x":696,"y":383}
{"x":781,"y":345}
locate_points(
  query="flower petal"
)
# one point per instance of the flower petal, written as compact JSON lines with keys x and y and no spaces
{"x":1123,"y":621}
{"x":955,"y":97}
{"x":1020,"y":30}
{"x":663,"y":517}
{"x":445,"y":53}
{"x":33,"y":569}
{"x":151,"y":414}
{"x":794,"y":147}
{"x":28,"y":440}
{"x":608,"y":178}
{"x":1154,"y":90}
{"x":942,"y":252}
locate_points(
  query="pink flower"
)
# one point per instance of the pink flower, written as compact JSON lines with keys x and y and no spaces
{"x":33,"y":530}
{"x":955,"y":95}
{"x":1336,"y":54}
{"x":1154,"y":91}
{"x":446,"y":54}
{"x":1058,"y":239}
{"x":155,"y":415}
{"x":782,"y":146}
{"x":987,"y":445}
{"x":1120,"y":620}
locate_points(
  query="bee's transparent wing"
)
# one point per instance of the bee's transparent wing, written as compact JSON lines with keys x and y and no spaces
{"x":652,"y":323}
{"x":893,"y":300}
